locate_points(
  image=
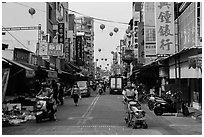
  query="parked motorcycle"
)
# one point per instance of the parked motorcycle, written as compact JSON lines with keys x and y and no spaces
{"x":45,"y":108}
{"x":152,"y":101}
{"x":169,"y":106}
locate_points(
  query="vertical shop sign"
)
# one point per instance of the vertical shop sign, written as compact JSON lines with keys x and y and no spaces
{"x":61,"y":33}
{"x":165,"y":28}
{"x":67,"y":49}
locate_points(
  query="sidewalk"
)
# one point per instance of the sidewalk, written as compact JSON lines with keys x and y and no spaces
{"x":195,"y":113}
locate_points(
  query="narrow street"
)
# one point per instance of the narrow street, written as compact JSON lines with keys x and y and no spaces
{"x":104,"y":115}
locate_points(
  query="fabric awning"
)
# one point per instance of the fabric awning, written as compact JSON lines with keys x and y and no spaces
{"x":74,"y":67}
{"x":52,"y":74}
{"x":29,"y":72}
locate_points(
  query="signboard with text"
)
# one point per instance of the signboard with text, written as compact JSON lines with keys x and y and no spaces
{"x":43,"y":46}
{"x":165,"y":28}
{"x":61,"y":33}
{"x":55,"y":49}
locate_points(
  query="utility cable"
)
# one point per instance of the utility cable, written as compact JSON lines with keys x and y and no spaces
{"x":17,"y":39}
{"x":105,"y":20}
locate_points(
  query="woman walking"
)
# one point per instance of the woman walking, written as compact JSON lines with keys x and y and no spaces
{"x":75,"y":94}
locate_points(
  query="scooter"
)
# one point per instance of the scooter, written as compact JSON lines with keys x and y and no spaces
{"x":168,"y":106}
{"x":152,"y":101}
{"x":100,"y":91}
{"x":44,"y":110}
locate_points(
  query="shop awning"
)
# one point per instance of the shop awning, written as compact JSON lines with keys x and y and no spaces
{"x":29,"y":72}
{"x":52,"y":74}
{"x":74,"y":67}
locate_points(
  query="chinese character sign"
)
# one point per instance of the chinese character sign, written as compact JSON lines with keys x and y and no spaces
{"x":55,"y":49}
{"x":61,"y":33}
{"x":165,"y":28}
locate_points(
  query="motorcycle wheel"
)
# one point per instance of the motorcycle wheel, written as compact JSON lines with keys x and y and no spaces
{"x":52,"y":117}
{"x":158,"y":111}
{"x":145,"y":126}
{"x":151,"y":106}
{"x":37,"y":119}
{"x":185,"y":111}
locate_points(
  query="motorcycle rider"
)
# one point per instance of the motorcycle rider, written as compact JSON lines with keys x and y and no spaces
{"x":100,"y":87}
{"x":47,"y":92}
{"x":75,"y":94}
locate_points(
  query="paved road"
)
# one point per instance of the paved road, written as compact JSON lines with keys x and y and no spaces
{"x":104,"y":115}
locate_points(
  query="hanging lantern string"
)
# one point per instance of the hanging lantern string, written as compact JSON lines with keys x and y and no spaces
{"x":110,"y":25}
{"x":105,"y":20}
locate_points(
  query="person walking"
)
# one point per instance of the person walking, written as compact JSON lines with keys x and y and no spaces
{"x":61,"y":93}
{"x":75,"y":94}
{"x":55,"y":91}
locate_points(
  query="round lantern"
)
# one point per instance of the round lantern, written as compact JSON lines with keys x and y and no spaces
{"x":105,"y":59}
{"x":99,"y":50}
{"x":111,"y":34}
{"x":112,"y":52}
{"x":31,"y":11}
{"x":102,"y":59}
{"x":96,"y":59}
{"x":115,"y":30}
{"x":60,"y":18}
{"x":107,"y":64}
{"x":127,"y":31}
{"x":102,"y":26}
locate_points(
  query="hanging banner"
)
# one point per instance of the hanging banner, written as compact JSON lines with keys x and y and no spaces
{"x":165,"y":28}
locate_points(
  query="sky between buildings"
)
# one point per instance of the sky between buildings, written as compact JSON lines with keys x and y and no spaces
{"x":14,"y":14}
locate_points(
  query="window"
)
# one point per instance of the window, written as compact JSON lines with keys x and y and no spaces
{"x":136,"y":46}
{"x":150,"y":34}
{"x":136,"y":34}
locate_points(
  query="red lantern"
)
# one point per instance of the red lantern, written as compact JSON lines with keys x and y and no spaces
{"x":102,"y":26}
{"x":102,"y":59}
{"x":107,"y":64}
{"x":99,"y":50}
{"x":105,"y":59}
{"x":111,"y":34}
{"x":127,"y":31}
{"x":60,"y":18}
{"x":112,"y":52}
{"x":96,"y":59}
{"x":115,"y":30}
{"x":31,"y":11}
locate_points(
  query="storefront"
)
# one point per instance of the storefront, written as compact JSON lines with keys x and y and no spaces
{"x":20,"y":79}
{"x":185,"y":74}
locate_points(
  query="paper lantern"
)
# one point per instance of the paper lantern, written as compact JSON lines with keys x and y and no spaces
{"x":102,"y":26}
{"x":115,"y":30}
{"x":31,"y":11}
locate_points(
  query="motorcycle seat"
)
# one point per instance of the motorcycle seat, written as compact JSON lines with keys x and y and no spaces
{"x":133,"y":103}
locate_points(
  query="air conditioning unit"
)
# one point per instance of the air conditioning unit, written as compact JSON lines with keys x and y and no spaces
{"x":46,"y":38}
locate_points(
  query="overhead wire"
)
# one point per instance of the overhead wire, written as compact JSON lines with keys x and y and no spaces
{"x":104,"y":20}
{"x":17,"y":39}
